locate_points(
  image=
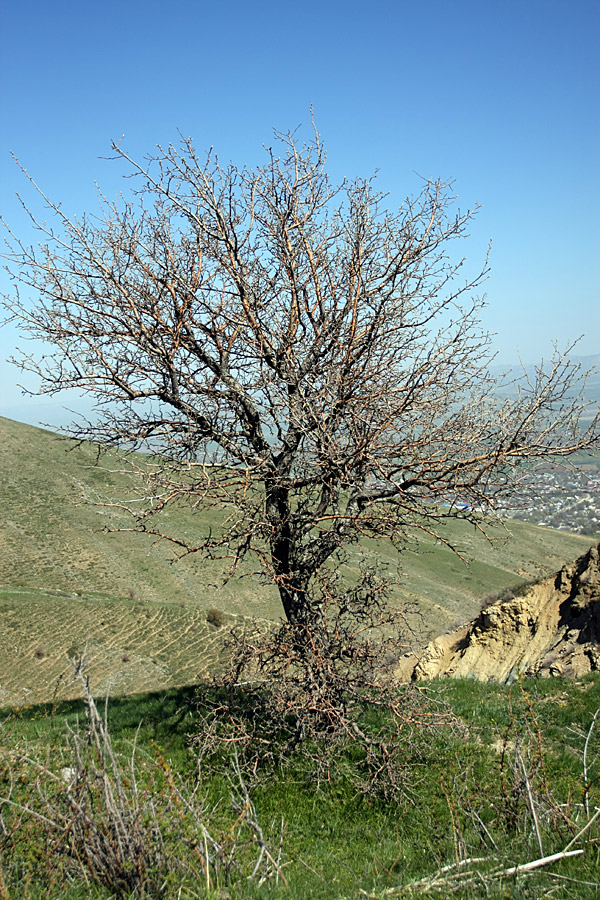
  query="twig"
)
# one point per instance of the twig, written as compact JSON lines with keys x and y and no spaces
{"x":583,"y":830}
{"x":530,"y":798}
{"x":586,"y":781}
{"x":310,"y":868}
{"x":449,"y":878}
{"x":523,"y":868}
{"x":4,"y":895}
{"x":475,"y":815}
{"x":430,"y":880}
{"x":595,"y":884}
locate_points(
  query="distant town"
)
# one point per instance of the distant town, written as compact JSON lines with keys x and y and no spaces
{"x":560,"y":496}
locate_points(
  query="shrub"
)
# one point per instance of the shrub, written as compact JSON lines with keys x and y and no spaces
{"x":325,"y":693}
{"x":123,"y":823}
{"x":488,"y":600}
{"x":501,"y":596}
{"x":215,"y":617}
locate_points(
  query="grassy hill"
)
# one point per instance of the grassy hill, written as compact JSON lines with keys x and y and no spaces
{"x":51,"y":532}
{"x":128,"y":645}
{"x":67,"y":586}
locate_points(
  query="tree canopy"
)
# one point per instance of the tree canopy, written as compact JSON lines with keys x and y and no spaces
{"x":290,"y":349}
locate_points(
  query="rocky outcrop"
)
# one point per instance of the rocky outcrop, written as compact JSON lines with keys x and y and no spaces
{"x":551,"y":628}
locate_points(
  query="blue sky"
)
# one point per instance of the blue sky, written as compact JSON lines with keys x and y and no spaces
{"x":502,"y":97}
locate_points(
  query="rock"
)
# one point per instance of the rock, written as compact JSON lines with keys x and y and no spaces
{"x":68,"y":775}
{"x":553,"y":628}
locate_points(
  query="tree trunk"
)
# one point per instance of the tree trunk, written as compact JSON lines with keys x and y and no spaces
{"x":292,"y":588}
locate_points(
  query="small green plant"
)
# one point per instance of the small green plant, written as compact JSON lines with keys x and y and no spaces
{"x":215,"y":617}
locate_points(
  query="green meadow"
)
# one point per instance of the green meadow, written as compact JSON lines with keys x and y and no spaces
{"x":503,"y":783}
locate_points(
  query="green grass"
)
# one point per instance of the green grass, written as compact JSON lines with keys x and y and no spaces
{"x":339,"y":842}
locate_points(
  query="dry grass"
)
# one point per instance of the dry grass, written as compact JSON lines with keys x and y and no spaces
{"x":131,"y":647}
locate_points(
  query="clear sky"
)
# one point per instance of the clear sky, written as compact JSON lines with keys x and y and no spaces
{"x":500,"y":95}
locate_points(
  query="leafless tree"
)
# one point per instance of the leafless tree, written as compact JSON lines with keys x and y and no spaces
{"x":289,"y":350}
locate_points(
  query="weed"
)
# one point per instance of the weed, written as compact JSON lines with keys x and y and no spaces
{"x":464,"y":826}
{"x":501,"y":596}
{"x":215,"y":617}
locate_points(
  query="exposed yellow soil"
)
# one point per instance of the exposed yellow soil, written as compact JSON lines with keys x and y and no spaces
{"x":553,"y":628}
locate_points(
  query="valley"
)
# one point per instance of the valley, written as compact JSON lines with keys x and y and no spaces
{"x":69,"y":588}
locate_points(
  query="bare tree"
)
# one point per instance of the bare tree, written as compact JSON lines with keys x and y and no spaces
{"x":289,"y":350}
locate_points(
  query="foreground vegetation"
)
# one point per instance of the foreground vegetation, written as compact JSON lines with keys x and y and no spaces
{"x":511,"y":777}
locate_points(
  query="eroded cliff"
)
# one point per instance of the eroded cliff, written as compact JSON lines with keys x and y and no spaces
{"x":551,"y":628}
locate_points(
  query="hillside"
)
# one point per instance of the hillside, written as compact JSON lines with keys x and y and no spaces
{"x":65,"y":583}
{"x":51,"y":532}
{"x":127,"y":645}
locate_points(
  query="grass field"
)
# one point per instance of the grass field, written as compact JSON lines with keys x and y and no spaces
{"x":66,"y":584}
{"x":128,"y":645}
{"x":504,"y":786}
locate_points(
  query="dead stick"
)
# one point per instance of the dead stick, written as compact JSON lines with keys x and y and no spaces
{"x":583,"y":830}
{"x":537,"y":863}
